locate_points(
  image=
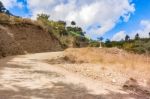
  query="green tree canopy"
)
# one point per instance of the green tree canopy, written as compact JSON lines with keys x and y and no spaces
{"x":73,"y":23}
{"x":127,"y":38}
{"x":42,"y":16}
{"x":100,"y":38}
{"x":137,"y":37}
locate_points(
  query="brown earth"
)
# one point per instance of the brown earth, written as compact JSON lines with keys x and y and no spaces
{"x":31,"y":77}
{"x":111,"y":65}
{"x":108,"y":56}
{"x":20,"y":38}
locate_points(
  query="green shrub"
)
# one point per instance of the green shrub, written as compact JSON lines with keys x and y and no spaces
{"x":94,"y":44}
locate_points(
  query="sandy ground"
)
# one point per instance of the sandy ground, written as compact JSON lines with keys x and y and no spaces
{"x":31,"y":77}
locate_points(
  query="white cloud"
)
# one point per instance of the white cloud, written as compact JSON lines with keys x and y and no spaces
{"x":144,"y":29}
{"x":105,"y":13}
{"x":12,"y":3}
{"x":143,"y":32}
{"x":119,"y":36}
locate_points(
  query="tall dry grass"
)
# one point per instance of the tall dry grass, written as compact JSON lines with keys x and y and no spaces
{"x":109,"y":56}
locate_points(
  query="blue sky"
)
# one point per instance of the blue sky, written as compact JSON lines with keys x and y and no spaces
{"x":136,"y":12}
{"x":23,"y":12}
{"x":141,"y":13}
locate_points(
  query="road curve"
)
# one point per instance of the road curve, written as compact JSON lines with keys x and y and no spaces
{"x":31,"y":77}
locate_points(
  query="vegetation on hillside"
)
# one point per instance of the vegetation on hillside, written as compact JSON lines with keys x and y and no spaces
{"x":136,"y":45}
{"x":69,"y":36}
{"x":73,"y":35}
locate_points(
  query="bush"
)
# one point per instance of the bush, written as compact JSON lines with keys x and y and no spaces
{"x":94,"y":44}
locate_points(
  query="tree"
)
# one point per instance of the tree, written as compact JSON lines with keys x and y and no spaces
{"x":42,"y":16}
{"x":100,"y":39}
{"x":2,"y":8}
{"x":8,"y":13}
{"x":127,"y":38}
{"x":62,"y":22}
{"x":149,"y":34}
{"x":108,"y":43}
{"x":84,"y":33}
{"x":73,"y":23}
{"x":137,"y":37}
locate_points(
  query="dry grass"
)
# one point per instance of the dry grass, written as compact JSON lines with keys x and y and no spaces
{"x":110,"y":65}
{"x":4,"y":18}
{"x":109,"y":56}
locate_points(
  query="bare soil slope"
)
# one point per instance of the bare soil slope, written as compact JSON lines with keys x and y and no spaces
{"x":22,"y":38}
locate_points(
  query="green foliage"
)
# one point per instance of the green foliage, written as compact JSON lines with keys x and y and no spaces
{"x":127,"y":38}
{"x":137,"y":37}
{"x":77,"y":31}
{"x":108,"y":43}
{"x":73,"y":23}
{"x":139,"y":46}
{"x":94,"y":44}
{"x":42,"y":17}
{"x":114,"y":44}
{"x":100,"y":39}
{"x":67,"y":35}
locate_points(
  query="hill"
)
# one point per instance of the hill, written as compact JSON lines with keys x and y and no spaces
{"x":140,"y":46}
{"x":19,"y":35}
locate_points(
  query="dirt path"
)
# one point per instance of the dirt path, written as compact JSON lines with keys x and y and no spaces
{"x":30,"y":77}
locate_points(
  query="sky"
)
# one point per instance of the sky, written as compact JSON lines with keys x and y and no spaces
{"x":111,"y":19}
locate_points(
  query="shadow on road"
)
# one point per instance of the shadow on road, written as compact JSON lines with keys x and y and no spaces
{"x":62,"y":91}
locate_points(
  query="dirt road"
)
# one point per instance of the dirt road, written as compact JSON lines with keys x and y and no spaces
{"x":30,"y":77}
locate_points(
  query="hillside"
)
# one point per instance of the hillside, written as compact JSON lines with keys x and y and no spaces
{"x":69,"y":35}
{"x":19,"y":36}
{"x":140,"y":46}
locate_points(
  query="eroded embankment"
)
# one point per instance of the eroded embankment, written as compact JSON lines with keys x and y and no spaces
{"x":23,"y":38}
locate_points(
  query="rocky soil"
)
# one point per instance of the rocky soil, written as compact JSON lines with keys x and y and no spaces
{"x":32,"y":76}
